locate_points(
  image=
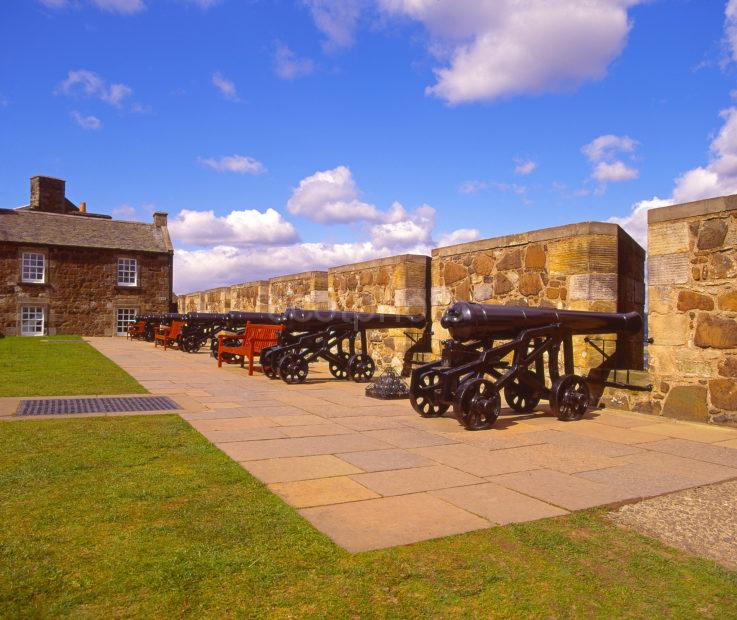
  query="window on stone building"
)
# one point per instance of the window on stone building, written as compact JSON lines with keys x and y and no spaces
{"x":33,"y":267}
{"x":31,"y":321}
{"x":124,"y":318}
{"x":127,"y":272}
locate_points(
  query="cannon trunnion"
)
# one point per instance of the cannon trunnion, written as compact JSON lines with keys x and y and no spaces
{"x":330,"y":335}
{"x":497,"y":350}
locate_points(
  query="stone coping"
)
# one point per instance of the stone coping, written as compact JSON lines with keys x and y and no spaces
{"x":543,"y":234}
{"x":692,"y":209}
{"x":299,"y":276}
{"x":222,"y":288}
{"x":380,"y":262}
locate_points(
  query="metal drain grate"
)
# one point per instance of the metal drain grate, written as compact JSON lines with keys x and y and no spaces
{"x":114,"y":404}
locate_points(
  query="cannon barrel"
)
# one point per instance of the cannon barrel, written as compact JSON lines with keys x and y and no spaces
{"x":469,"y":321}
{"x":299,"y":319}
{"x":262,"y":318}
{"x":205,"y":317}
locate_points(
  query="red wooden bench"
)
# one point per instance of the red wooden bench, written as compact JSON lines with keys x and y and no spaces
{"x":136,"y":330}
{"x":255,"y":338}
{"x":168,"y":335}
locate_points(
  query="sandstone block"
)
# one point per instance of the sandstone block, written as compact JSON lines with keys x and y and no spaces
{"x":535,"y":257}
{"x":591,"y":286}
{"x":483,"y":264}
{"x":483,"y":292}
{"x":502,"y":284}
{"x":716,"y":332}
{"x":728,"y":301}
{"x":462,"y":291}
{"x":711,"y":234}
{"x":569,"y":255}
{"x":511,"y":259}
{"x":690,"y":300}
{"x":452,"y":272}
{"x":728,"y":366}
{"x":720,"y":267}
{"x":668,"y":269}
{"x":687,"y":402}
{"x":661,"y":300}
{"x":669,"y":330}
{"x":667,"y":238}
{"x":440,"y":296}
{"x":723,"y":393}
{"x":530,"y":284}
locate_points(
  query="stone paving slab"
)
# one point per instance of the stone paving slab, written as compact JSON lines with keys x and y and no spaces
{"x":372,"y":474}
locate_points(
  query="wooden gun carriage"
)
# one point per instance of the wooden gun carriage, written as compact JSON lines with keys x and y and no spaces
{"x":475,"y":368}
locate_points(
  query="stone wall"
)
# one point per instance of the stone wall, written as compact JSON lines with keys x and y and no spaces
{"x":397,"y":284}
{"x":80,"y":295}
{"x":692,"y":290}
{"x":301,"y":290}
{"x":245,"y":297}
{"x":588,"y":266}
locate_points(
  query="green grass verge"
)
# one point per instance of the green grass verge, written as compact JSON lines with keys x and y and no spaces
{"x":37,"y":367}
{"x":140,"y":516}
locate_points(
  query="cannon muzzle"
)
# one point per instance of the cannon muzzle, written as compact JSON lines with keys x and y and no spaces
{"x":469,"y":321}
{"x":299,"y":319}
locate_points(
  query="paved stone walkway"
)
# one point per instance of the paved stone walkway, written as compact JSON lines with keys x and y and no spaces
{"x":373,"y":474}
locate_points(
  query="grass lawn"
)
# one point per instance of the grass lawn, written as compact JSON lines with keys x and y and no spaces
{"x":140,"y":516}
{"x":42,"y":367}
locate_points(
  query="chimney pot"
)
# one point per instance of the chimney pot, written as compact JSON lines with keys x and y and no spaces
{"x":160,"y":219}
{"x":83,"y":207}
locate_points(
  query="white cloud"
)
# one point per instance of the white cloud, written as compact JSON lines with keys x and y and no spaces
{"x":288,"y":66}
{"x":234,"y":163}
{"x":331,"y":197}
{"x":462,"y":235}
{"x":86,"y":122}
{"x":337,"y":20}
{"x":90,"y":84}
{"x":730,"y":27}
{"x":614,"y":172}
{"x":498,"y":48}
{"x":120,"y":6}
{"x":606,"y":147}
{"x":238,"y":228}
{"x":524,"y":166}
{"x":125,"y":212}
{"x":717,"y":178}
{"x":472,"y":187}
{"x":225,"y":86}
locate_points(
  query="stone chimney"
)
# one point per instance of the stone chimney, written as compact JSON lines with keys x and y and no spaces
{"x":160,"y":219}
{"x":83,"y":207}
{"x":47,"y":194}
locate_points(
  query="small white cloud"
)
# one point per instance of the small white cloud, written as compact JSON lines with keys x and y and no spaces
{"x":636,"y":222}
{"x":125,"y":212}
{"x":472,"y":187}
{"x":238,"y":228}
{"x":288,"y":66}
{"x":614,"y":172}
{"x":524,"y":166}
{"x":461,"y":235}
{"x":240,"y":164}
{"x":730,"y":27}
{"x":225,"y":86}
{"x":606,"y":147}
{"x":86,"y":122}
{"x":89,"y":84}
{"x":331,"y":197}
{"x":337,"y":20}
{"x":120,"y":6}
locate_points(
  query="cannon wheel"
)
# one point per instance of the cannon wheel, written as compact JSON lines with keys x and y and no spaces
{"x":569,"y":398}
{"x":423,"y":401}
{"x":340,"y":371}
{"x":477,"y":404}
{"x":361,"y":367}
{"x":267,"y":361}
{"x":293,"y":368}
{"x":520,"y":396}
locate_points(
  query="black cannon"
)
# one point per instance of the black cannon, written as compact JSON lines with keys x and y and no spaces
{"x":198,"y":328}
{"x":476,"y":368}
{"x":330,"y":335}
{"x":235,"y":322}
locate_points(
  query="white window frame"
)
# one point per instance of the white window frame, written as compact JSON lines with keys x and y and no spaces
{"x":125,"y":264}
{"x":132,"y":312}
{"x":25,"y":313}
{"x":29,"y":265}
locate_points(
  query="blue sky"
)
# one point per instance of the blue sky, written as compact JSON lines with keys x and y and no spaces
{"x":286,"y":135}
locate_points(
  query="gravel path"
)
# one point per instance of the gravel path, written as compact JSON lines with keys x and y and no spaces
{"x":702,"y":521}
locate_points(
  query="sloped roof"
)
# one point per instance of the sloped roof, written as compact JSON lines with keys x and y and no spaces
{"x":37,"y":227}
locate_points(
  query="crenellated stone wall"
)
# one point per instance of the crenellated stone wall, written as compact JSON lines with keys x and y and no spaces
{"x":302,"y":290}
{"x":245,"y":297}
{"x":692,"y":290}
{"x":588,"y":266}
{"x":397,"y":284}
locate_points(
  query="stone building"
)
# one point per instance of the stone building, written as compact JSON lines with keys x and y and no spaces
{"x":66,"y":271}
